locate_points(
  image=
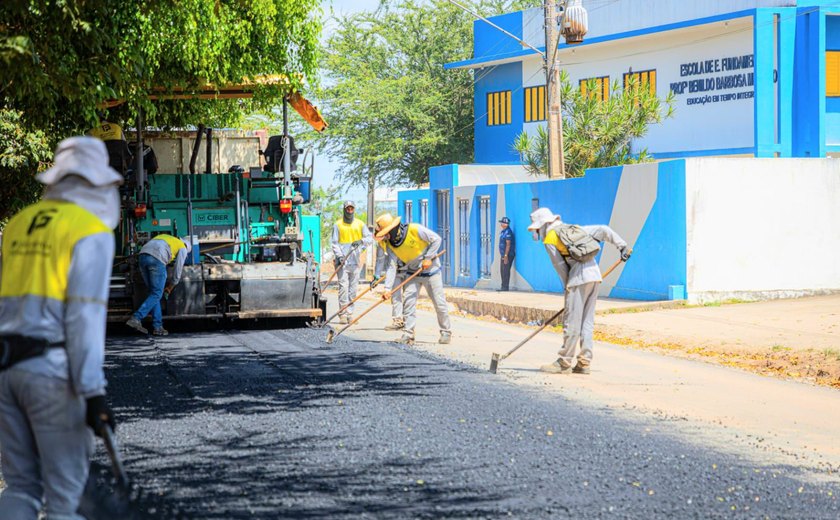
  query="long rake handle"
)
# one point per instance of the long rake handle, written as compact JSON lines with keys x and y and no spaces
{"x":337,"y":269}
{"x":395,"y":289}
{"x":354,"y":300}
{"x":550,"y":320}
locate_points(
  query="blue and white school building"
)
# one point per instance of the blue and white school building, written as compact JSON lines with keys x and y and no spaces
{"x":743,"y":200}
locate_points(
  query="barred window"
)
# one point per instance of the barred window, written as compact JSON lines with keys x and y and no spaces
{"x":646,"y":78}
{"x":498,"y":108}
{"x":599,"y":87}
{"x":535,"y":104}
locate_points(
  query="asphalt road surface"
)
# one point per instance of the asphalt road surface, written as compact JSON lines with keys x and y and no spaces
{"x":278,"y":424}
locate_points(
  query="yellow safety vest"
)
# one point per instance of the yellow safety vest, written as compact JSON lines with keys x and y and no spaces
{"x":108,"y":132}
{"x":552,"y":239}
{"x":349,"y":233}
{"x":38,"y":248}
{"x":412,"y":247}
{"x":175,"y":245}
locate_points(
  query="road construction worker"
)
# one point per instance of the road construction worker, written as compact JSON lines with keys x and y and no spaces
{"x":394,"y":272}
{"x":54,"y":280}
{"x":119,"y":154}
{"x":350,"y":237}
{"x":581,"y":281}
{"x":416,"y":245}
{"x":159,"y":252}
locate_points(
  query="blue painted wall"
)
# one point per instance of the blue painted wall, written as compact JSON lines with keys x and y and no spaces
{"x":659,"y":257}
{"x":493,"y":144}
{"x":490,"y":41}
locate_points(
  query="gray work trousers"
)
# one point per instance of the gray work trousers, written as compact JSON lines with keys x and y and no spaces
{"x":45,"y":446}
{"x":348,"y":284}
{"x":434,"y":288}
{"x":397,"y":299}
{"x":579,"y":324}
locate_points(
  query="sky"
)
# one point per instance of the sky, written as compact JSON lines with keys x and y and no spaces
{"x":325,"y":166}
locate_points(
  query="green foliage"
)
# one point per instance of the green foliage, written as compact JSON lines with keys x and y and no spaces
{"x":326,"y":202}
{"x":60,"y":60}
{"x":597,"y":133}
{"x":23,"y":153}
{"x":394,"y":111}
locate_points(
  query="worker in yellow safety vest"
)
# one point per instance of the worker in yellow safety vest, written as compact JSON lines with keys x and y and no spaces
{"x":159,"y":252}
{"x":350,"y":237}
{"x":54,"y":280}
{"x":415,"y":245}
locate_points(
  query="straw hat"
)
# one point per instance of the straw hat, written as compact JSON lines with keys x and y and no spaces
{"x":541,"y":217}
{"x":385,"y":223}
{"x":83,"y":156}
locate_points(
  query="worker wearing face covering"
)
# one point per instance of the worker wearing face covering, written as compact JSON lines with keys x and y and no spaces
{"x":581,"y":281}
{"x":54,"y":281}
{"x":350,"y":237}
{"x":415,"y":245}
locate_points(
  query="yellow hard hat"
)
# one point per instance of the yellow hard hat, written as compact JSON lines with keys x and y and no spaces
{"x":385,"y":223}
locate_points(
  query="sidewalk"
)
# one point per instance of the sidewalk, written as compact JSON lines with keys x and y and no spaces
{"x":796,"y":338}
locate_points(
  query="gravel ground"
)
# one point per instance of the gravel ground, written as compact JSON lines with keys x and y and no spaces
{"x":271,"y":424}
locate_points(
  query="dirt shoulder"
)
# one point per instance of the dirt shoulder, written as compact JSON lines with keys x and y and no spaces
{"x":798,"y":338}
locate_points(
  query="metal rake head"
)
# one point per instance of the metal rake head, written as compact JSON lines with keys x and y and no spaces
{"x":494,"y":362}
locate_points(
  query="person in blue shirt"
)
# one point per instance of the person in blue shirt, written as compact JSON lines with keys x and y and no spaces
{"x":507,"y":250}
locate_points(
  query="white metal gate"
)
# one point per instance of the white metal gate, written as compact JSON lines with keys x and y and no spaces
{"x":443,"y":227}
{"x":486,"y":234}
{"x":463,"y":237}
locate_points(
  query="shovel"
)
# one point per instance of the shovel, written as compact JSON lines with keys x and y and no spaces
{"x":332,"y":334}
{"x":496,"y":358}
{"x":116,"y":497}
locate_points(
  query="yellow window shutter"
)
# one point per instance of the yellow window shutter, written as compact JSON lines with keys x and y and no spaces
{"x":832,"y":73}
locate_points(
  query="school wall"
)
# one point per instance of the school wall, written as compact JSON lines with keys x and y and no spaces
{"x":762,"y":228}
{"x":703,"y":229}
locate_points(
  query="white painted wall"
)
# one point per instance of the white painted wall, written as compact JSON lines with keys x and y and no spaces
{"x":702,"y":119}
{"x":762,"y":228}
{"x":607,"y":17}
{"x":484,"y":174}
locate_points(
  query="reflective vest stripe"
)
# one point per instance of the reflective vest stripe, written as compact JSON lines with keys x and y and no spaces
{"x":349,"y":233}
{"x":175,"y":245}
{"x":38,"y":248}
{"x":412,"y":247}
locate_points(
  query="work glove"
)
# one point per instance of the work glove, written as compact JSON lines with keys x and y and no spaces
{"x":167,"y":291}
{"x":357,"y":243}
{"x":625,"y":253}
{"x":338,"y":261}
{"x":427,"y":263}
{"x":99,"y":414}
{"x":374,"y":280}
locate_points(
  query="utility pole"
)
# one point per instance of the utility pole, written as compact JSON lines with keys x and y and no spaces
{"x":556,"y":163}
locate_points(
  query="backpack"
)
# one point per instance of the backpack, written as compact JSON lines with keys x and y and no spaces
{"x":580,"y":244}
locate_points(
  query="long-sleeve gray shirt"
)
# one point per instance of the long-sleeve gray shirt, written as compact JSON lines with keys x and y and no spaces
{"x":574,"y":273}
{"x":79,"y":321}
{"x":340,"y":250}
{"x":388,"y":267}
{"x":160,"y":250}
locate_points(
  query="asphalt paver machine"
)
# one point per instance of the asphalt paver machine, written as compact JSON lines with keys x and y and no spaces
{"x":255,"y":255}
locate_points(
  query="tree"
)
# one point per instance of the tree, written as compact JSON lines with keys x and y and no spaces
{"x":22,"y":154}
{"x":596,"y":132}
{"x":59,"y":61}
{"x":394,"y":111}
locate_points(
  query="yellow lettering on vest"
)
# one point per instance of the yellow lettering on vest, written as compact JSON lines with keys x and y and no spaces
{"x":38,"y":248}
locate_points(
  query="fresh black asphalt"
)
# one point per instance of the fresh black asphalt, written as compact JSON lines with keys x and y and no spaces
{"x":278,"y":424}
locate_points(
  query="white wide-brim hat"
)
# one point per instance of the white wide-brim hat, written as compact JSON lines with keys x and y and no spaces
{"x":541,"y":217}
{"x":83,"y":156}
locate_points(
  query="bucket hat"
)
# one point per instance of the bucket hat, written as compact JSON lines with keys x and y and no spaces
{"x":83,"y":156}
{"x":385,"y":223}
{"x":540,"y":217}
